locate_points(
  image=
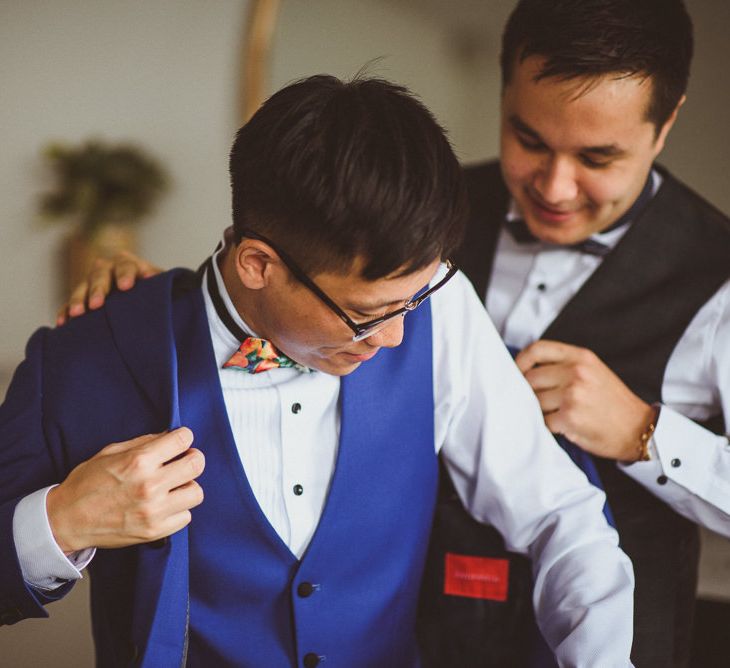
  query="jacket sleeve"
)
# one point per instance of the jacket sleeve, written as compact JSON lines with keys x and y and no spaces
{"x":509,"y":472}
{"x":26,"y":465}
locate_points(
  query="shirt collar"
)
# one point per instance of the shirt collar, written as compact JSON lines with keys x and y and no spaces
{"x":219,"y":305}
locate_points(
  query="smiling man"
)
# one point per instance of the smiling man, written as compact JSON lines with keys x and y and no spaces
{"x":321,"y":359}
{"x":576,"y":152}
{"x":611,"y":277}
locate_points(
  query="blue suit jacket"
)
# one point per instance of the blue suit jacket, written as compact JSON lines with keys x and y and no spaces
{"x":114,"y":375}
{"x":106,"y":377}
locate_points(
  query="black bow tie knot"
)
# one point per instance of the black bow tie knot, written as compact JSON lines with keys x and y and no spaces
{"x":521,"y":234}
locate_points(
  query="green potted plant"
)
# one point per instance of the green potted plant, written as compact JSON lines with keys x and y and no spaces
{"x":105,"y":190}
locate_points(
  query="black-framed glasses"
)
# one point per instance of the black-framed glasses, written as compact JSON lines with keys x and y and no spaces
{"x":364,"y":329}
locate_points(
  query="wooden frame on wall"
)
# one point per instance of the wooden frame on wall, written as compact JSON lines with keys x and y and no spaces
{"x":255,"y":56}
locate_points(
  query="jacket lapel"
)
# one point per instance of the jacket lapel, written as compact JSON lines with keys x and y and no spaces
{"x":144,"y":325}
{"x":141,"y":324}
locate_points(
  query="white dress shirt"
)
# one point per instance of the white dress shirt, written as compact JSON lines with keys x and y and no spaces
{"x":690,"y":466}
{"x":505,"y":465}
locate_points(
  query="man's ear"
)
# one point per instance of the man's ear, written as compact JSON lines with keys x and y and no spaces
{"x":662,"y":136}
{"x":254,"y":261}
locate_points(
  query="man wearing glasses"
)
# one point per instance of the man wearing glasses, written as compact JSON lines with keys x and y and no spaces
{"x":318,"y":411}
{"x":363,"y":330}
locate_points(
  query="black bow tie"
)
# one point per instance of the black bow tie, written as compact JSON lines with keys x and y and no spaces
{"x":521,"y":234}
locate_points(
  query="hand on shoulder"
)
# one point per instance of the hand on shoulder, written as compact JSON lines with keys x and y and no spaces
{"x":121,"y":272}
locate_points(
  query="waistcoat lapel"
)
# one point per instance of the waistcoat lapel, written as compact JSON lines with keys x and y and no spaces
{"x":488,"y":201}
{"x":634,"y":308}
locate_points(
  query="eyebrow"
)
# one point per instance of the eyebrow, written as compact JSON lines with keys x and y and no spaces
{"x":607,"y":150}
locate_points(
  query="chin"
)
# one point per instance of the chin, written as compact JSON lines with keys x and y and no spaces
{"x":338,"y":369}
{"x":334,"y":366}
{"x":344,"y":371}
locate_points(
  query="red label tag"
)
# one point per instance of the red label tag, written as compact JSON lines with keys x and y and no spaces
{"x":476,"y":577}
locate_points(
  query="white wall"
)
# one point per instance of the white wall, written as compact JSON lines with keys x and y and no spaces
{"x":698,"y":148}
{"x":161,"y":73}
{"x":399,"y":43}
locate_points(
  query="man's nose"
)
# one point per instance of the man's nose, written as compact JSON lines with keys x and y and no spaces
{"x":556,"y":181}
{"x":390,"y":336}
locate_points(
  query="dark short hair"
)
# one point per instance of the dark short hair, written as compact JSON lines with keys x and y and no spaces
{"x":333,"y":171}
{"x":591,"y":38}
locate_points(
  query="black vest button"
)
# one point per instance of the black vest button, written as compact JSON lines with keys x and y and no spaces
{"x":662,"y":480}
{"x":676,"y":462}
{"x":311,"y":660}
{"x":296,"y":407}
{"x":298,"y":490}
{"x":305,"y":589}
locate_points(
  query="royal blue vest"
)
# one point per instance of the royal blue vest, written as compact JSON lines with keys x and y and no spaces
{"x":351,"y":600}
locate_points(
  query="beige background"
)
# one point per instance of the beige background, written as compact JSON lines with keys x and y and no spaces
{"x":164,"y":73}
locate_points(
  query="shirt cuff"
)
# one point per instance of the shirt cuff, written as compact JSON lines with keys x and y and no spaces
{"x":688,"y":455}
{"x":695,"y":458}
{"x":42,"y":562}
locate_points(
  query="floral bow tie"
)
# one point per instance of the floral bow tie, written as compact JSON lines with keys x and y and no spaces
{"x":257,"y":355}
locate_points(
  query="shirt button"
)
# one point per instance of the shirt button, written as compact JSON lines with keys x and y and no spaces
{"x":662,"y":480}
{"x":676,"y":462}
{"x":541,"y":287}
{"x":305,"y":589}
{"x":311,"y":660}
{"x":298,"y":490}
{"x":295,"y":408}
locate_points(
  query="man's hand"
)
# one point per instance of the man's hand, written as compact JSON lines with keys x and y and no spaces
{"x":584,"y":400}
{"x":132,"y":492}
{"x":123,"y":271}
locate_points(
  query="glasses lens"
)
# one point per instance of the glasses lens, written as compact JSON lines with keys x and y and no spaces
{"x":366,"y":333}
{"x":445,"y":273}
